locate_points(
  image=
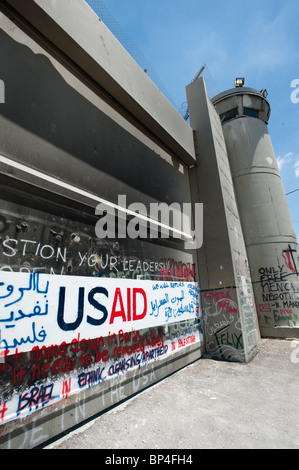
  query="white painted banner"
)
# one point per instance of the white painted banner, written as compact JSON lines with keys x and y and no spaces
{"x":42,"y":310}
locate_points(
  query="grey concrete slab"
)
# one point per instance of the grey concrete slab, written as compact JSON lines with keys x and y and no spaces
{"x":207,"y":405}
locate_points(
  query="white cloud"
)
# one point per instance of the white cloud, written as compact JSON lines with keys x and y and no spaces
{"x":281,"y":161}
{"x":289,"y":158}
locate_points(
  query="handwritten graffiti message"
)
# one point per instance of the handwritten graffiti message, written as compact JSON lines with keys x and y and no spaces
{"x":53,"y":373}
{"x":28,"y":256}
{"x":40,"y":309}
{"x":222,"y":326}
{"x":278,"y":291}
{"x":110,"y":311}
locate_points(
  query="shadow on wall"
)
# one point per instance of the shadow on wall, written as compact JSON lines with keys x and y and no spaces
{"x":56,"y":130}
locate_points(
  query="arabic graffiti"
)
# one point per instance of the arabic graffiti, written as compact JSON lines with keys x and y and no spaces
{"x":43,"y":310}
{"x":33,"y":286}
{"x":173,"y":306}
{"x":62,"y":334}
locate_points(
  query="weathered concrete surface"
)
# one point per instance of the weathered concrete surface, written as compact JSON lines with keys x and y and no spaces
{"x":208,"y":404}
{"x":222,"y":260}
{"x":73,"y":28}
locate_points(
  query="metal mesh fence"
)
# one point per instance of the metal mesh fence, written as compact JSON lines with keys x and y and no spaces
{"x":99,"y":7}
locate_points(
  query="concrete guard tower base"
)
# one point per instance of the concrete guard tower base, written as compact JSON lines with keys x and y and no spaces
{"x":228,"y":307}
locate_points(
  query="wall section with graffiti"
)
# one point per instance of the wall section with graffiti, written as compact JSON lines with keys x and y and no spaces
{"x":79,"y":313}
{"x":277,"y":288}
{"x":85,"y":322}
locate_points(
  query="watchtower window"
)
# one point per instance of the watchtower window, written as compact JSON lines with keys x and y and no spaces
{"x":251,"y":112}
{"x":229,"y":115}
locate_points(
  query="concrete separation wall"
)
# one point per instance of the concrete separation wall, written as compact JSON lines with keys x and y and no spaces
{"x":109,"y":278}
{"x":85,"y":322}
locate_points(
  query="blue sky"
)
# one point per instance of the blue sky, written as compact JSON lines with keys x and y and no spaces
{"x":258,"y":40}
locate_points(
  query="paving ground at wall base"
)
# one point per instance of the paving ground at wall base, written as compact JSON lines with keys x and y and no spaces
{"x":207,"y":405}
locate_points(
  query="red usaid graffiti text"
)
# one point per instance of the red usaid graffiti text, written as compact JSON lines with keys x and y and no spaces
{"x":126,"y":305}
